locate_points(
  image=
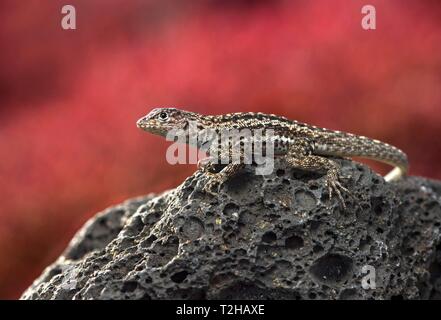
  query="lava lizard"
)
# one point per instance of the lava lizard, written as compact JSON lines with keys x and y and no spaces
{"x":304,"y":146}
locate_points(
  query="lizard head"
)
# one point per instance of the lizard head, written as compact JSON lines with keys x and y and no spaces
{"x":162,"y":120}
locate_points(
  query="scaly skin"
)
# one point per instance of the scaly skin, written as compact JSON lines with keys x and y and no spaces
{"x":304,"y":146}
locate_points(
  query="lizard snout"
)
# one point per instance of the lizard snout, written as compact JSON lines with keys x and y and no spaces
{"x":149,"y":125}
{"x":141,"y":123}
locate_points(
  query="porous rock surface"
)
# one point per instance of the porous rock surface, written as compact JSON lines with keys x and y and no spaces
{"x":261,"y":237}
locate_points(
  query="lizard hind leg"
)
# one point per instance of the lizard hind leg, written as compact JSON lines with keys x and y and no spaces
{"x":299,"y":157}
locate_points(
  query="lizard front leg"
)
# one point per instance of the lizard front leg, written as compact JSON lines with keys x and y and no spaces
{"x":217,"y":179}
{"x":300,"y":156}
{"x":206,"y":165}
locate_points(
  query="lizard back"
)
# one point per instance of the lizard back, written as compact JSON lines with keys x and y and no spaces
{"x":325,"y":141}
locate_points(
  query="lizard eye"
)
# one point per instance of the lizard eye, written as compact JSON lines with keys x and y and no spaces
{"x":163,"y":116}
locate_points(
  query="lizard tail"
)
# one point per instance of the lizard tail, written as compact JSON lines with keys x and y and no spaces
{"x":390,"y":155}
{"x":349,"y":145}
{"x":395,"y":174}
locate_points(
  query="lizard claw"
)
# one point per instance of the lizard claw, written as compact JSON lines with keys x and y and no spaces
{"x":213,"y":184}
{"x":206,"y":166}
{"x":334,"y":185}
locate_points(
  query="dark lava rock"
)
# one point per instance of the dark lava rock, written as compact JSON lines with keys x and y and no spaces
{"x":262,"y":237}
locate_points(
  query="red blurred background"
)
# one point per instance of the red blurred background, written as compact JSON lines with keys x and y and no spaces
{"x":69,"y":99}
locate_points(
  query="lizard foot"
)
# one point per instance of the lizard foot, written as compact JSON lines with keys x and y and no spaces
{"x":206,"y":165}
{"x":333,"y":184}
{"x":218,"y":178}
{"x":214,"y":183}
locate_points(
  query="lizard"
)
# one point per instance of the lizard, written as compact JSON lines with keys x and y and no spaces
{"x":302,"y":145}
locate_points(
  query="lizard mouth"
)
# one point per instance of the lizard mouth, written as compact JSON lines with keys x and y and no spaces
{"x":149,"y":127}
